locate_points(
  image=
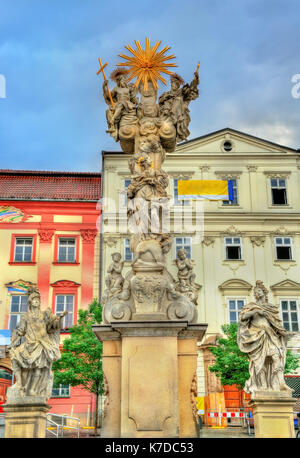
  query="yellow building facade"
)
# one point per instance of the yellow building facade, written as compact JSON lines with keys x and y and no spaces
{"x":231,"y":245}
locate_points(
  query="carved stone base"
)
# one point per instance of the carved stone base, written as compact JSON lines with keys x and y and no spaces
{"x":273,"y":414}
{"x":25,"y":420}
{"x":150,"y":368}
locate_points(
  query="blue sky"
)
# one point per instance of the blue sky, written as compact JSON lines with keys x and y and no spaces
{"x":53,"y":116}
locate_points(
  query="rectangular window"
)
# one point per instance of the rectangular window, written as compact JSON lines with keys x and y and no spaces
{"x":234,"y":309}
{"x":66,"y":250}
{"x":278,"y":191}
{"x":176,"y":201}
{"x":186,"y":243}
{"x":235,"y":195}
{"x":23,"y":249}
{"x":289,"y":313}
{"x":18,"y":306}
{"x":233,"y":248}
{"x":65,"y":302}
{"x":128,"y":256}
{"x":126,"y":184}
{"x":60,"y":391}
{"x":283,"y":247}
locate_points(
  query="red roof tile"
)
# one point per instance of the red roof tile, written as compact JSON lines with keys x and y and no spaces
{"x":21,"y":184}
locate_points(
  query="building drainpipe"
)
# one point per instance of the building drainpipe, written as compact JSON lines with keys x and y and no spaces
{"x":101,"y":226}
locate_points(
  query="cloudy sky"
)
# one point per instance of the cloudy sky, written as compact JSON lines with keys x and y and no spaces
{"x":53,"y":116}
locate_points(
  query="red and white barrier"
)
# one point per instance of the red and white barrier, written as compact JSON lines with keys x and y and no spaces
{"x":227,"y":414}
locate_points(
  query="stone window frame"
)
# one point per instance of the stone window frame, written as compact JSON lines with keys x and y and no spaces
{"x":278,"y":175}
{"x":232,"y":236}
{"x":297,"y":311}
{"x":283,"y":236}
{"x":126,"y":246}
{"x":234,"y":298}
{"x":19,"y":313}
{"x":60,"y":394}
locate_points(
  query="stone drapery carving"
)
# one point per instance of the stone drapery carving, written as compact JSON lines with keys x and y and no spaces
{"x":32,"y":359}
{"x":147,"y":129}
{"x":262,"y":336}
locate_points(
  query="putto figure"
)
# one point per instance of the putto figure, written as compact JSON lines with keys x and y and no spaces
{"x":186,"y":277}
{"x":32,"y":359}
{"x":114,"y":281}
{"x":263,"y":337}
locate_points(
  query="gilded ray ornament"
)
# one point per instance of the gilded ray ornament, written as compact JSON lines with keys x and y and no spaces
{"x":147,"y":64}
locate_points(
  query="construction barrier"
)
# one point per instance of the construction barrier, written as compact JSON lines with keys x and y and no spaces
{"x":227,"y":414}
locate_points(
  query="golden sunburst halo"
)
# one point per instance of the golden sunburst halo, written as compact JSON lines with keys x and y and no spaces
{"x":147,"y":64}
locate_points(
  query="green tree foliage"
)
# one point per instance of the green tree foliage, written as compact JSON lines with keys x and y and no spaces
{"x":232,"y":365}
{"x":81,"y":357}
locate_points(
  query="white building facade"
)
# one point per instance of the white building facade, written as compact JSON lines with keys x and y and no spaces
{"x":231,"y":244}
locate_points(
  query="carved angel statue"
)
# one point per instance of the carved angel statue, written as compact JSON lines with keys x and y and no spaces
{"x":174,"y":103}
{"x":125,"y":102}
{"x":186,"y":284}
{"x":32,"y":359}
{"x":262,"y":336}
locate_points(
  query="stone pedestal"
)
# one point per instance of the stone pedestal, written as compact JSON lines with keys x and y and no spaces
{"x":26,"y":418}
{"x":149,"y":368}
{"x":273,"y":414}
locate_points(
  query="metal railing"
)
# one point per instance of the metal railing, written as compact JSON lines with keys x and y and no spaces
{"x":60,"y":425}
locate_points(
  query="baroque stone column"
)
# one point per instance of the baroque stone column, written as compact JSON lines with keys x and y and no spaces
{"x":155,"y":378}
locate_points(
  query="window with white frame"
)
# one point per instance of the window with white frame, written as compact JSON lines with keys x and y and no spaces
{"x":66,"y":249}
{"x":128,"y":256}
{"x":186,"y":243}
{"x":290,"y":315}
{"x":235,"y":194}
{"x":233,"y":248}
{"x":23,"y":249}
{"x":176,"y":201}
{"x":126,"y":184}
{"x":18,"y":306}
{"x":60,"y":391}
{"x":278,"y":191}
{"x":234,"y":309}
{"x":283,"y":247}
{"x":65,"y":302}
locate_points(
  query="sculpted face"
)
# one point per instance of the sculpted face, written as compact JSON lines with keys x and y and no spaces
{"x":181,"y":254}
{"x":35,"y":302}
{"x":259,"y":293}
{"x":116,"y":257}
{"x":175,"y":84}
{"x":121,"y":81}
